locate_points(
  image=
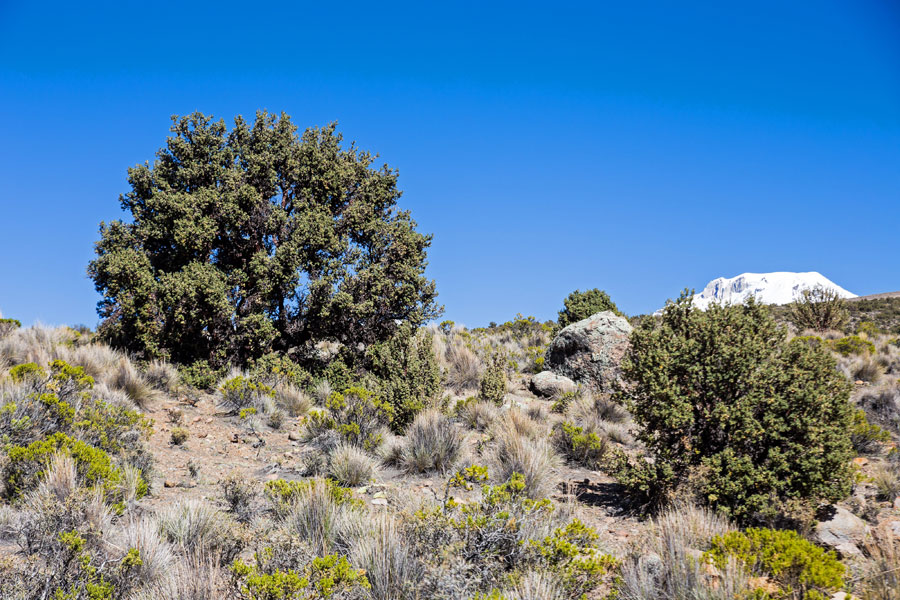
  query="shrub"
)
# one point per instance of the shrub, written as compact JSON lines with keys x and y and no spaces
{"x":887,"y":482}
{"x":239,"y":494}
{"x":819,"y":308}
{"x":241,"y":392}
{"x":325,"y":577}
{"x":852,"y":344}
{"x":432,"y":443}
{"x":533,"y":459}
{"x":162,"y":376}
{"x":199,"y":527}
{"x":199,"y":374}
{"x":321,"y":513}
{"x":7,"y":326}
{"x":802,"y":570}
{"x":867,"y":329}
{"x":357,"y":416}
{"x":866,"y":437}
{"x":351,"y":466}
{"x":179,"y":435}
{"x":493,"y":384}
{"x":282,"y":493}
{"x":586,"y":448}
{"x":581,"y":305}
{"x":727,"y":406}
{"x":95,"y":467}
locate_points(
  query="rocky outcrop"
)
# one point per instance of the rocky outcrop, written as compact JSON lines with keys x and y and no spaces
{"x":550,"y":384}
{"x":842,"y":531}
{"x":589,"y":352}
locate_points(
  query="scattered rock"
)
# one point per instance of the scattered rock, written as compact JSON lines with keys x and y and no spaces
{"x":379,"y":502}
{"x":550,"y":384}
{"x":202,"y":435}
{"x":589,"y":351}
{"x":235,"y":438}
{"x":841,"y":531}
{"x":168,"y":483}
{"x":294,"y":437}
{"x":861,"y":461}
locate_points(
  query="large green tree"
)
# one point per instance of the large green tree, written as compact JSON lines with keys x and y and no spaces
{"x":258,"y":239}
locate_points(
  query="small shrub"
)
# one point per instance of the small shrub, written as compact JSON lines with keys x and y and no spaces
{"x":276,"y":418}
{"x":7,"y":326}
{"x":866,"y":437}
{"x":241,"y":392}
{"x":325,"y":577}
{"x":199,"y":375}
{"x":197,"y":526}
{"x":802,"y":570}
{"x":239,"y":494}
{"x":162,"y":376}
{"x":586,"y":448}
{"x":179,"y":436}
{"x":294,"y":400}
{"x":348,"y":465}
{"x":357,"y":416}
{"x":408,"y":373}
{"x":493,"y":384}
{"x":852,"y":344}
{"x":887,"y":482}
{"x":581,"y":305}
{"x":819,"y":308}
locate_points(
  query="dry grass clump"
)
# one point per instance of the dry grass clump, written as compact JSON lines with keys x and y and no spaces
{"x":478,"y":415}
{"x":351,"y":466}
{"x":162,"y":376}
{"x":433,"y":443}
{"x":60,"y":478}
{"x":387,"y":558}
{"x":665,"y":565}
{"x":195,"y":526}
{"x":882,"y":406}
{"x":461,"y":366}
{"x":193,"y":578}
{"x":127,"y":378}
{"x":292,"y":399}
{"x":881,"y":575}
{"x":537,"y":585}
{"x":886,"y":480}
{"x":143,"y":535}
{"x":520,"y":446}
{"x":321,"y":391}
{"x":320,"y":520}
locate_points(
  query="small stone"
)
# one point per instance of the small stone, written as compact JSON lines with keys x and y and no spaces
{"x":897,"y":503}
{"x":235,"y":438}
{"x":209,"y":420}
{"x":861,"y":461}
{"x":378,"y":495}
{"x":379,"y":502}
{"x":294,"y":437}
{"x":168,"y":483}
{"x":196,"y":420}
{"x":202,"y":435}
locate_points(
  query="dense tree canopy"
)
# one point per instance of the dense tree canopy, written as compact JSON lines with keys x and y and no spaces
{"x":256,"y":239}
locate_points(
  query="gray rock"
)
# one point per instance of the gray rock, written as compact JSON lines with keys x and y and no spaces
{"x":589,"y":352}
{"x":842,"y":531}
{"x":550,"y":384}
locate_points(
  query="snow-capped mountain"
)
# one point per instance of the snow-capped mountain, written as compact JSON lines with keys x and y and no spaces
{"x":768,"y":288}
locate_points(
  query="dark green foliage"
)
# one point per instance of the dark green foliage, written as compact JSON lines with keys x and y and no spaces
{"x":244,"y":242}
{"x":493,"y":383}
{"x":274,"y":368}
{"x":819,"y":308}
{"x":802,"y":570}
{"x":581,"y":305}
{"x":200,"y":375}
{"x":724,"y":403}
{"x":586,"y":448}
{"x":408,"y":373}
{"x":330,"y":576}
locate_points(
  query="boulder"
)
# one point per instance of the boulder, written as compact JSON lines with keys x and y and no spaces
{"x":550,"y":384}
{"x":841,"y":530}
{"x":589,"y":351}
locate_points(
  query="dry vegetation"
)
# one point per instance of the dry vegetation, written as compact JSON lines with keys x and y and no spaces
{"x":276,"y":490}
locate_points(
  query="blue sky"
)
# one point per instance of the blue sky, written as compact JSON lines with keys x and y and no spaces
{"x":636,"y":147}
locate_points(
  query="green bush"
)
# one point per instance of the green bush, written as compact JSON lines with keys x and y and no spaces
{"x":728,"y":408}
{"x":94,"y":466}
{"x":852,"y":344}
{"x":586,"y":448}
{"x":199,"y":374}
{"x":819,"y":308}
{"x":581,"y":305}
{"x":27,"y":372}
{"x":358,"y":416}
{"x":408,"y":374}
{"x":324,"y":577}
{"x":802,"y":570}
{"x":282,"y":493}
{"x":276,"y":368}
{"x":179,"y":435}
{"x":866,"y":437}
{"x":7,"y":326}
{"x":493,"y":383}
{"x":867,"y":329}
{"x":240,"y":393}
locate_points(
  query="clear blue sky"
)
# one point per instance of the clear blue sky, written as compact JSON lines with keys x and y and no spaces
{"x":639,"y":147}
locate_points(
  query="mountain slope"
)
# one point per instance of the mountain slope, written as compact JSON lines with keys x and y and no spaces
{"x":768,"y":288}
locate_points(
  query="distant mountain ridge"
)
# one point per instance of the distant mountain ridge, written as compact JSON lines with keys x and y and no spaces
{"x":781,"y":287}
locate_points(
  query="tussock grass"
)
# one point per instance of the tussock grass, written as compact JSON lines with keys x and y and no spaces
{"x":387,"y":558}
{"x":194,"y":526}
{"x":433,"y":443}
{"x":479,"y":415}
{"x":351,"y":466}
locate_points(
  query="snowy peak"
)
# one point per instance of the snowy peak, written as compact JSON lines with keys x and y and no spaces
{"x":767,"y":288}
